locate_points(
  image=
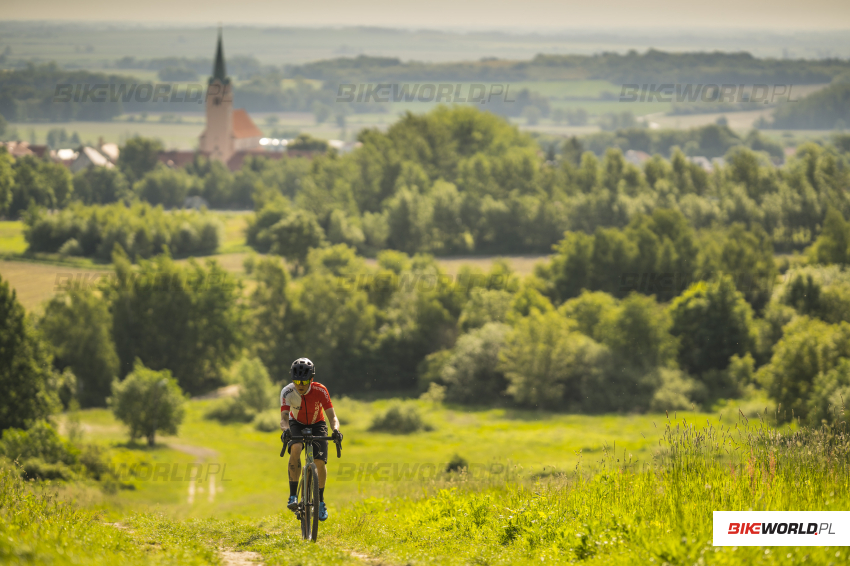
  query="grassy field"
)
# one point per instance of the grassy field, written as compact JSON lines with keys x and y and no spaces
{"x":12,"y":237}
{"x":521,"y":442}
{"x":540,"y":487}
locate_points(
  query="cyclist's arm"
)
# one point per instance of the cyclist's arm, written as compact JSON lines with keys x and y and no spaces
{"x":284,"y":418}
{"x":332,"y":416}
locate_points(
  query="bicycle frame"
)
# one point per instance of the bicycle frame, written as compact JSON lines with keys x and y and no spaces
{"x":307,"y":511}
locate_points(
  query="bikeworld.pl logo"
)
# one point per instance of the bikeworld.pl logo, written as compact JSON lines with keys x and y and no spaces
{"x":451,"y":93}
{"x":692,"y":92}
{"x":782,"y":528}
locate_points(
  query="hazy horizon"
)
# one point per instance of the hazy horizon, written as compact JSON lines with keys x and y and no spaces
{"x":480,"y":15}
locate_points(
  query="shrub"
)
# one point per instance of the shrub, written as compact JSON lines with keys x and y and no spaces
{"x":809,"y":348}
{"x":399,"y":419}
{"x":713,"y":322}
{"x":40,"y":442}
{"x":471,"y":373}
{"x":256,"y":394}
{"x":256,"y":391}
{"x":456,"y":464}
{"x":71,"y":248}
{"x":675,"y":391}
{"x":148,"y":402}
{"x":230,"y":409}
{"x":830,"y":395}
{"x":550,"y":365}
{"x":267,"y":421}
{"x":37,"y":469}
{"x":141,"y":230}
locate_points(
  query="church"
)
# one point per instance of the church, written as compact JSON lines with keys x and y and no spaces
{"x":230,"y":135}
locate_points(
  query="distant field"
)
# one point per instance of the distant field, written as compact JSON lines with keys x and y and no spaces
{"x":12,"y":237}
{"x":174,"y":136}
{"x":38,"y":282}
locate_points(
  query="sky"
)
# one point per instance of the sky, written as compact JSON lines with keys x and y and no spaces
{"x":542,"y":15}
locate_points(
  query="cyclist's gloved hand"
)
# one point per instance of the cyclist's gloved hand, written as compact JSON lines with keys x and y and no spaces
{"x":337,"y":435}
{"x":286,"y":437}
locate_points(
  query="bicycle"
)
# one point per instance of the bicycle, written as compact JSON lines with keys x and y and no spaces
{"x":307,"y":511}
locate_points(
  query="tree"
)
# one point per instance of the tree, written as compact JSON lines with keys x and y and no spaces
{"x":833,"y":243}
{"x":184,"y":319}
{"x":532,"y":115}
{"x":550,"y":365}
{"x":78,"y":325}
{"x":484,"y":306}
{"x":638,"y":334}
{"x":808,"y":349}
{"x":148,"y":402}
{"x":256,"y":394}
{"x":295,"y":235}
{"x":471,"y":373}
{"x":271,"y":336}
{"x":100,"y":185}
{"x":168,"y":187}
{"x":746,"y":255}
{"x":830,"y":395}
{"x":334,"y":325}
{"x":28,"y":393}
{"x":713,"y":322}
{"x":30,"y":187}
{"x":138,"y":157}
{"x":7,"y":182}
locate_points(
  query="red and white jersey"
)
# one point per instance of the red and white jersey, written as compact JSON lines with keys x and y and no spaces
{"x":307,"y":408}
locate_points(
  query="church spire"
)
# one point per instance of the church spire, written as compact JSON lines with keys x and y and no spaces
{"x":218,"y":68}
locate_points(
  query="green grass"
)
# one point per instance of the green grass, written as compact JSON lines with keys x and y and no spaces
{"x":621,"y":513}
{"x":614,"y":489}
{"x":12,"y":237}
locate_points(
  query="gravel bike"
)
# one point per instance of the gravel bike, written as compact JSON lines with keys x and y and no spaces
{"x":307,"y":511}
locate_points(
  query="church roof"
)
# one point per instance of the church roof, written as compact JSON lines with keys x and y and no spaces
{"x":219,"y":72}
{"x":243,"y":126}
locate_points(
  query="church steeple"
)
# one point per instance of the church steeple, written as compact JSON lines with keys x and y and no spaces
{"x":218,"y":67}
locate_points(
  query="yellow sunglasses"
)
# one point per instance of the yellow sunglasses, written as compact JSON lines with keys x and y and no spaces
{"x":301,"y":381}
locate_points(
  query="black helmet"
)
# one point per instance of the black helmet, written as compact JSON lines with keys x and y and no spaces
{"x":302,"y":368}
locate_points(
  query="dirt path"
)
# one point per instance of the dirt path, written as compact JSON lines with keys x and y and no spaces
{"x":368,"y":559}
{"x":235,"y":558}
{"x":202,"y":455}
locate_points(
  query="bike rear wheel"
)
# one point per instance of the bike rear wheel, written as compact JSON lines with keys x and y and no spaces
{"x":310,"y":499}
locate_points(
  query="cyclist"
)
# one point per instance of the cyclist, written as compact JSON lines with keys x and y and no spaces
{"x":301,"y":406}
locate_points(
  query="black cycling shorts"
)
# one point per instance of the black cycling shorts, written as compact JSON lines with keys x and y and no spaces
{"x":320,"y":447}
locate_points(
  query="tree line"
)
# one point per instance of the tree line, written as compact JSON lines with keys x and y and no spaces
{"x":577,"y":335}
{"x":458,"y":180}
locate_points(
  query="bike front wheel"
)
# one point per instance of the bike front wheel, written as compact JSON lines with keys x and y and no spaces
{"x":310,"y":498}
